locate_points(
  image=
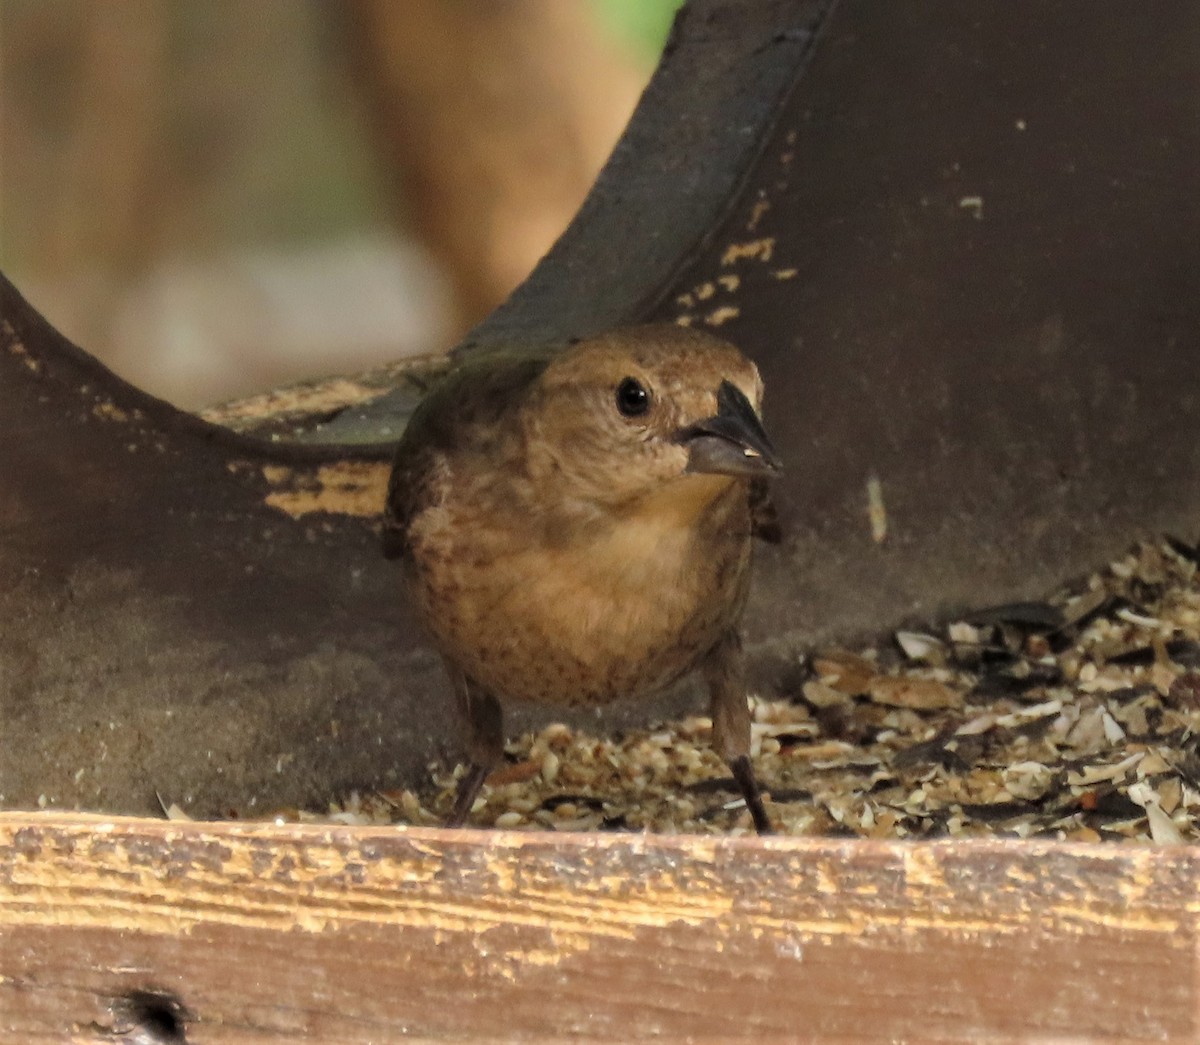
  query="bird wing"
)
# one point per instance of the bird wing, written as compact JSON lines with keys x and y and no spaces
{"x":457,"y":417}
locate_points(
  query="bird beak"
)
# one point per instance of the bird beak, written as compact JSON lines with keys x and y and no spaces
{"x":731,"y":443}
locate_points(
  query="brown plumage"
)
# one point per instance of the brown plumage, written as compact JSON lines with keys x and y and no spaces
{"x":576,"y":527}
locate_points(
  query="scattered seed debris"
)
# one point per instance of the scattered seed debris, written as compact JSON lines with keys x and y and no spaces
{"x":724,"y":314}
{"x":753,"y":250}
{"x":760,"y":208}
{"x":974,"y":204}
{"x":1034,"y":720}
{"x":876,"y":512}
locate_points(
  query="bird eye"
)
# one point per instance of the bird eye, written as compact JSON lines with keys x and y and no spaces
{"x":632,"y":398}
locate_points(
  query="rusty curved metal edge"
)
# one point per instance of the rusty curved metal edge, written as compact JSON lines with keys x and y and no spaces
{"x":75,"y":372}
{"x":725,"y":76}
{"x":968,"y":265}
{"x":705,"y":118}
{"x":190,"y":616}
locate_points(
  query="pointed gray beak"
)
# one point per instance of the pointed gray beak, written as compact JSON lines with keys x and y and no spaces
{"x":733,"y":441}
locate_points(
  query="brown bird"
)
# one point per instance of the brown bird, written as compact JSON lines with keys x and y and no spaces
{"x":576,"y":526}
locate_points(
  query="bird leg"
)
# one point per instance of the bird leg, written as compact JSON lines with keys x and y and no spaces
{"x":724,"y":671}
{"x":464,"y":797}
{"x":481,"y":722}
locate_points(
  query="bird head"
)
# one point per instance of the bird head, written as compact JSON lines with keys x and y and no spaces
{"x":618,"y":417}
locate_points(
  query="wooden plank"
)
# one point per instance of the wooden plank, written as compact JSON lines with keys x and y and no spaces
{"x":335,"y":934}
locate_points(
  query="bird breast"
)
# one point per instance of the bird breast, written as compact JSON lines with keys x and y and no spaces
{"x":621,"y":604}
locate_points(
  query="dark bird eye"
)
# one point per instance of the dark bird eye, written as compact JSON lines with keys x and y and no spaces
{"x":632,"y":398}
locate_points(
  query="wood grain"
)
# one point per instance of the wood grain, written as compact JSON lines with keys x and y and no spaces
{"x":330,"y":934}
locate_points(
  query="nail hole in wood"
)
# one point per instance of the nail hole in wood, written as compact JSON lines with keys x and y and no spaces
{"x":150,"y":1017}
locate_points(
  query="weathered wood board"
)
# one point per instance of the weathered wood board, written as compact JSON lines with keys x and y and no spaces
{"x":223,"y":932}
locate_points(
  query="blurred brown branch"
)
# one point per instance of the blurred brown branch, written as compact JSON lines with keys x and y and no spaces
{"x":495,"y":118}
{"x":101,"y":173}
